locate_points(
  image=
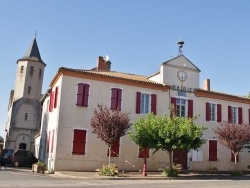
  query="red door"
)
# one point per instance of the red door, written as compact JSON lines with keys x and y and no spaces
{"x":180,"y":157}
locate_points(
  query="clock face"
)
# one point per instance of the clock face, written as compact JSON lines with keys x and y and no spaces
{"x":182,"y":75}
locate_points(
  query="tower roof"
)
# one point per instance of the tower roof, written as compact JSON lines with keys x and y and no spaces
{"x":33,"y":53}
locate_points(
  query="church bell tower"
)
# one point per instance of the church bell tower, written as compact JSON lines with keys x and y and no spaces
{"x":24,"y":111}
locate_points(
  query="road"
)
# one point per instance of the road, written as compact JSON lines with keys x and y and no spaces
{"x":23,"y":177}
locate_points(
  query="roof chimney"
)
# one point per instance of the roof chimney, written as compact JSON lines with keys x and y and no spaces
{"x":206,"y":84}
{"x":103,"y":63}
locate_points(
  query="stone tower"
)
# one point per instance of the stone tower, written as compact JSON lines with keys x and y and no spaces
{"x":24,"y":110}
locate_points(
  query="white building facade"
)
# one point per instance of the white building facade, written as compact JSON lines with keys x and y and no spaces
{"x":66,"y":138}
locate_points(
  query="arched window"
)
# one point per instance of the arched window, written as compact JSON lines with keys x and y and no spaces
{"x":26,"y":116}
{"x":29,"y":89}
{"x":31,"y":70}
{"x":22,"y":67}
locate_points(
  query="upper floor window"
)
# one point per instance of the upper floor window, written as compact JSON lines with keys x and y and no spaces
{"x":29,"y":89}
{"x":213,"y":112}
{"x":31,"y":70}
{"x":235,"y":115}
{"x":145,"y":103}
{"x":82,"y":95}
{"x":182,"y":107}
{"x":22,"y":68}
{"x":26,"y":116}
{"x":40,"y":73}
{"x":116,"y":99}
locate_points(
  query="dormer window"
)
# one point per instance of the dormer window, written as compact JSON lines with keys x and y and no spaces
{"x":31,"y":70}
{"x":29,"y":89}
{"x":22,"y":67}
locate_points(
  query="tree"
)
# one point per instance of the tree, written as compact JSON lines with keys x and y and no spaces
{"x":109,"y":125}
{"x":167,"y":133}
{"x":233,"y":136}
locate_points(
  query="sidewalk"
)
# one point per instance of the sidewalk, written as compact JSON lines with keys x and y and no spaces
{"x":150,"y":176}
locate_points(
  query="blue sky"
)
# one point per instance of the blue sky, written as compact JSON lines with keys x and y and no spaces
{"x":138,"y":35}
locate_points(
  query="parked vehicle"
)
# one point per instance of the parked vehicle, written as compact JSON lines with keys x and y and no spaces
{"x":17,"y":157}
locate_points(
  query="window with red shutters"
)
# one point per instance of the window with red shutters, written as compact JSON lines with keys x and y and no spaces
{"x":212,"y":150}
{"x":249,"y":116}
{"x":173,"y":102}
{"x":56,"y":97}
{"x":115,"y":149}
{"x":153,"y":103}
{"x":143,"y":152}
{"x":116,"y":99}
{"x":190,"y":108}
{"x":138,"y":103}
{"x":79,"y":142}
{"x":232,"y":157}
{"x":82,"y":95}
{"x":51,"y":103}
{"x":48,"y":141}
{"x":218,"y":112}
{"x":52,"y":142}
{"x":207,"y":112}
{"x":229,"y":114}
{"x":240,"y":116}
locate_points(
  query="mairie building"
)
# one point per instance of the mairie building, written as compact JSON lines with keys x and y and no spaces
{"x":65,"y":140}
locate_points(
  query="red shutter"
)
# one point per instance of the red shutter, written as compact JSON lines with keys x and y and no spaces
{"x":153,"y":103}
{"x":51,"y":103}
{"x":232,"y":157}
{"x":113,"y":98}
{"x":229,"y":114}
{"x":85,"y":95}
{"x":138,"y":103}
{"x":48,"y":141}
{"x":173,"y":101}
{"x":115,"y":149}
{"x":56,"y":97}
{"x":240,"y":115}
{"x":249,"y":116}
{"x":119,"y":99}
{"x":212,"y":150}
{"x":79,"y":100}
{"x":52,"y":143}
{"x":207,"y":112}
{"x":79,"y":142}
{"x":190,"y":108}
{"x":143,"y":152}
{"x":219,"y":112}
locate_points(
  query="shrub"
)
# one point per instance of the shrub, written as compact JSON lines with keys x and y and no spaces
{"x":212,"y":168}
{"x":109,"y":170}
{"x":236,"y":173}
{"x":170,"y":172}
{"x":176,"y":168}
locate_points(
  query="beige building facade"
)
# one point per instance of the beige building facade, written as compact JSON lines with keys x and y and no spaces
{"x":66,"y":141}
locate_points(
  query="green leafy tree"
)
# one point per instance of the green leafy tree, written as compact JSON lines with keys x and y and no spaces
{"x":233,"y":136}
{"x":109,"y":125}
{"x":167,"y":133}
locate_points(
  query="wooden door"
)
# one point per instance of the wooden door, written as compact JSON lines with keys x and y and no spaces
{"x":180,"y":157}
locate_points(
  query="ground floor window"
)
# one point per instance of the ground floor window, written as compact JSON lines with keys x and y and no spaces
{"x":79,"y":142}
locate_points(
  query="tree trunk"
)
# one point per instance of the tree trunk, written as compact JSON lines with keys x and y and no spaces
{"x":109,"y":154}
{"x":144,"y":171}
{"x":235,"y":160}
{"x":170,"y":152}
